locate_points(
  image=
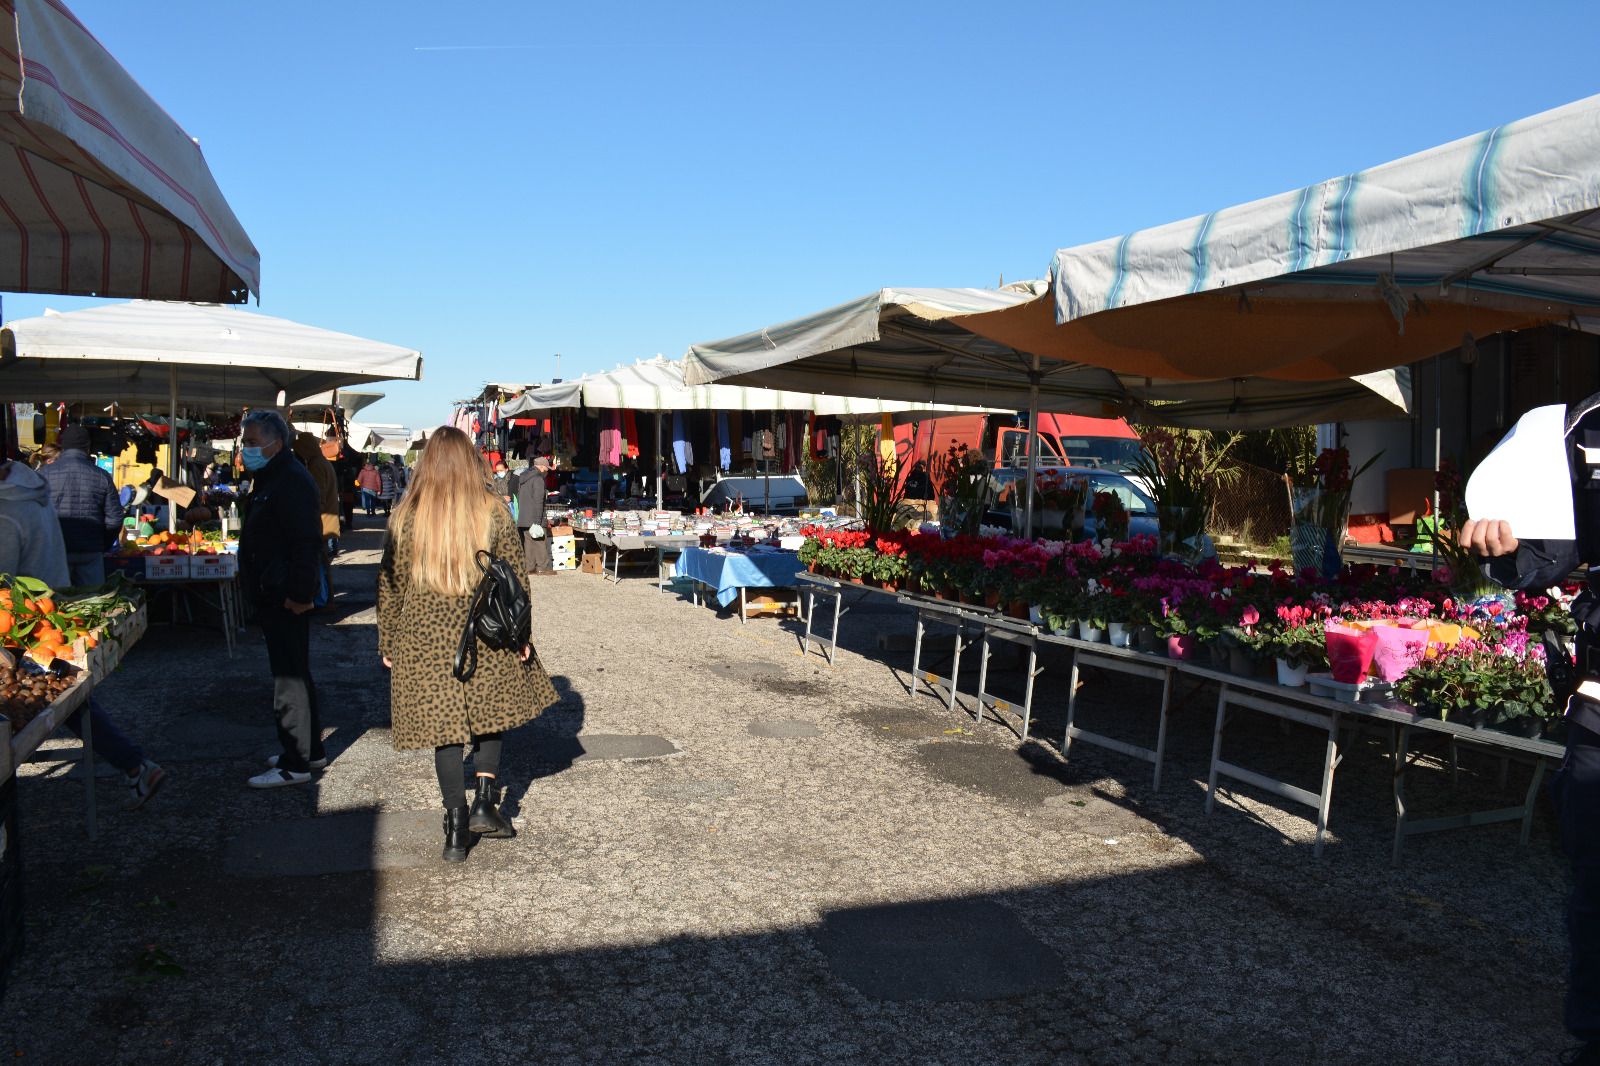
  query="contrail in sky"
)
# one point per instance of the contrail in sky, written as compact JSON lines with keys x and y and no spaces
{"x":473,"y":47}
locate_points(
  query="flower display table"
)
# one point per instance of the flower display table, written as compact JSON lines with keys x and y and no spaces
{"x":1329,"y":716}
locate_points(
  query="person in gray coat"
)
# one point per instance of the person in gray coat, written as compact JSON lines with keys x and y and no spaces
{"x":530,"y":492}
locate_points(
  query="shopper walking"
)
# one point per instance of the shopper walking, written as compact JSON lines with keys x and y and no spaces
{"x":388,"y":485}
{"x":530,"y":492}
{"x":426,"y":581}
{"x":31,"y":545}
{"x":279,"y":571}
{"x":309,"y":452}
{"x":370,"y":485}
{"x":88,"y":505}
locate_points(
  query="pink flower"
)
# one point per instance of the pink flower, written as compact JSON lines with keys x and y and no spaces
{"x":1250,"y":616}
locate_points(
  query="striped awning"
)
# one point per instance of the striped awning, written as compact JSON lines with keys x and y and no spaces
{"x":1369,"y":270}
{"x":101,"y":192}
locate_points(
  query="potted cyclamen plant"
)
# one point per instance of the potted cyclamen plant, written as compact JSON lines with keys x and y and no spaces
{"x":1298,"y":645}
{"x":1247,"y":641}
{"x":1092,"y":612}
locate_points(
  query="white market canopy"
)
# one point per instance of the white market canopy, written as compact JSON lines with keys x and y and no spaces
{"x":930,"y":346}
{"x":351,"y":400}
{"x":658,"y":385}
{"x":222,"y":358}
{"x":101,"y":192}
{"x":1373,"y":269}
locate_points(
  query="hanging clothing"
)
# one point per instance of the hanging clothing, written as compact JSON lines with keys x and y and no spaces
{"x":630,"y":434}
{"x":610,"y":439}
{"x":682,"y":450}
{"x":724,"y":441}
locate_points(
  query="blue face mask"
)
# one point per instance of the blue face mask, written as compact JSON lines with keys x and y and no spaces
{"x":253,"y":458}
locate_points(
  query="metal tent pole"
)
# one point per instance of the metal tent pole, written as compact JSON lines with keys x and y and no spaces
{"x":1033,"y":446}
{"x":660,"y":463}
{"x":172,"y":441}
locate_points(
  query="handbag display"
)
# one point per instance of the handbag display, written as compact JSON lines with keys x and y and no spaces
{"x":501,"y":615}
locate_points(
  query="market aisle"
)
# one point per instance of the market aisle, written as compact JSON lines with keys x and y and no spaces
{"x":803,"y":866}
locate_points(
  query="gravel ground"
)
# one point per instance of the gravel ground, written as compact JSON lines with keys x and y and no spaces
{"x":730,"y":853}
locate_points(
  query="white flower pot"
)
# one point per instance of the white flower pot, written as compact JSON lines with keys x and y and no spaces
{"x":1068,"y":629}
{"x":1120,"y":634}
{"x":1291,"y":676}
{"x":1089,"y":633}
{"x":1036,"y":616}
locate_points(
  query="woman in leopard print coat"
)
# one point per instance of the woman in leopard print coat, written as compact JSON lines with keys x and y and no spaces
{"x":425,"y":586}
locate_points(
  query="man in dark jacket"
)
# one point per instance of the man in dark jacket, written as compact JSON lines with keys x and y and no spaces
{"x":1537,"y":564}
{"x":280,"y":576}
{"x":86,"y":501}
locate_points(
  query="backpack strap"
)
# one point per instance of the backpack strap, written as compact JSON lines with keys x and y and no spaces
{"x":466,"y":663}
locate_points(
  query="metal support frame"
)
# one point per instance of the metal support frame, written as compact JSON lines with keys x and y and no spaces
{"x":1406,"y":826}
{"x":956,"y":620}
{"x":1083,"y":657}
{"x":1022,"y":635}
{"x":812,"y":587}
{"x":1325,"y":721}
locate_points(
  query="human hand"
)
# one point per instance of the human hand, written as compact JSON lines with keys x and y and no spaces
{"x":1489,"y":537}
{"x":526,"y":653}
{"x":296,"y":608}
{"x":388,"y":664}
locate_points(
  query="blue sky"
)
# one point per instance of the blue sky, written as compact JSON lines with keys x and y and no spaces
{"x":496,"y":182}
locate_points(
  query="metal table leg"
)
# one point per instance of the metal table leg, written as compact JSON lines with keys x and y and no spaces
{"x":811,"y":607}
{"x":1072,"y":707}
{"x":1216,"y":749}
{"x":916,"y":655}
{"x":1161,"y":728}
{"x":955,"y":667}
{"x":1027,"y":695}
{"x":833,"y":643}
{"x":983,"y":676}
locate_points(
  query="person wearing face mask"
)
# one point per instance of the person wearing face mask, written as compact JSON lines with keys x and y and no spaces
{"x":281,"y":576}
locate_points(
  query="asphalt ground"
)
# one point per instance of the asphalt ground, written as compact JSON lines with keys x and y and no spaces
{"x":732,"y":853}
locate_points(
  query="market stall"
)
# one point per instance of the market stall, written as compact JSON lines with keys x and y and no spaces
{"x":106,"y":196}
{"x":729,"y":574}
{"x":1391,"y":649}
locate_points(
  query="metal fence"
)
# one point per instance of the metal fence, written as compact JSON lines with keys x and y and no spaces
{"x":1251,"y":506}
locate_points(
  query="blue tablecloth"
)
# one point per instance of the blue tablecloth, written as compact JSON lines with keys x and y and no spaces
{"x":728,"y":572}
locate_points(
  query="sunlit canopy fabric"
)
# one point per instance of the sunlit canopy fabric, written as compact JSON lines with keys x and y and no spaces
{"x":225,"y":357}
{"x":351,"y":400}
{"x":101,"y":192}
{"x":658,"y":385}
{"x":934,"y":345}
{"x":1370,"y":270}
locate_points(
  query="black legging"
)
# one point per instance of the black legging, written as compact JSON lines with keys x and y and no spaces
{"x":447,"y":764}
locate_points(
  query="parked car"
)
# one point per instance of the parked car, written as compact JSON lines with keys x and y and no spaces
{"x":778,"y":494}
{"x":1010,"y":484}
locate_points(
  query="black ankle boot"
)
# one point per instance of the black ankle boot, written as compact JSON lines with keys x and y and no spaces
{"x":486,"y":817}
{"x":457,"y":837}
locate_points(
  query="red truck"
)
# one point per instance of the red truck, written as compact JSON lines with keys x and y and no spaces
{"x":1064,"y":440}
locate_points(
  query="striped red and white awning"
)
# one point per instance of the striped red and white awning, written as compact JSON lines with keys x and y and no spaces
{"x":101,"y":192}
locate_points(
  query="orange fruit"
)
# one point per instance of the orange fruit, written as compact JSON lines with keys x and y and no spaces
{"x":7,"y":620}
{"x":46,"y":605}
{"x":89,"y":641}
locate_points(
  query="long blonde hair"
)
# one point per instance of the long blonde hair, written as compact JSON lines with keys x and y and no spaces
{"x":446,"y":514}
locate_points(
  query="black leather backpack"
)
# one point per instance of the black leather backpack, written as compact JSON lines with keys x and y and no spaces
{"x":500,"y":616}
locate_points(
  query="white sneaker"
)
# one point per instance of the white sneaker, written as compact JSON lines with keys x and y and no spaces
{"x":144,"y":784}
{"x":276,"y":778}
{"x":316,"y":764}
